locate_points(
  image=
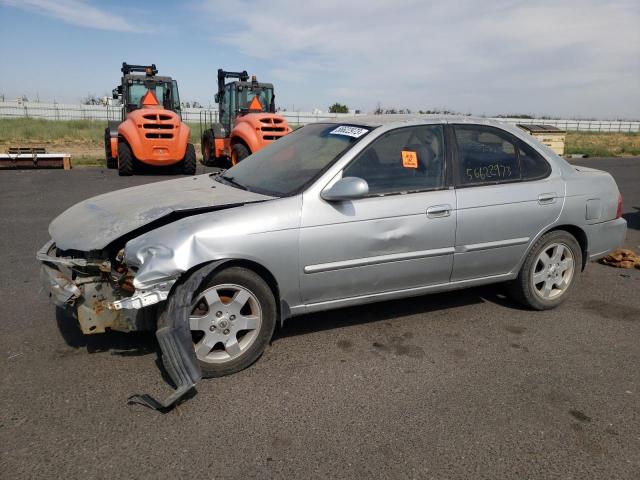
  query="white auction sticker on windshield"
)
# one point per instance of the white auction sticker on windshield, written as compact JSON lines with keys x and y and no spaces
{"x":355,"y":132}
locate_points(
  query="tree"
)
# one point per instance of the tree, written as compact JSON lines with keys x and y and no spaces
{"x":338,"y":108}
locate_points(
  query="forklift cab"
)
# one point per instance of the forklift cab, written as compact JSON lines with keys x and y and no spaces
{"x":134,"y":87}
{"x":241,"y":97}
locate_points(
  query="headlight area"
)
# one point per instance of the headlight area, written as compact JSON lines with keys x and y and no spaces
{"x":100,"y":290}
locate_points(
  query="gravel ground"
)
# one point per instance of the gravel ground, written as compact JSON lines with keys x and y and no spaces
{"x":456,"y":385}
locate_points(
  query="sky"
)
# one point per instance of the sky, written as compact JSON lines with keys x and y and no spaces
{"x":577,"y":59}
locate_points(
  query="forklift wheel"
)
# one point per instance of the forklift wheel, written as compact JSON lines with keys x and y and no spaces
{"x":125,"y":160}
{"x":111,"y":162}
{"x":207,"y":147}
{"x":238,"y":153}
{"x":189,"y":161}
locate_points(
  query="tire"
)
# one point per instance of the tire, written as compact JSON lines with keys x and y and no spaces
{"x":207,"y":148}
{"x":189,"y":160}
{"x":238,"y":153}
{"x":217,"y":319}
{"x":111,"y":162}
{"x":558,"y":270}
{"x":125,"y":160}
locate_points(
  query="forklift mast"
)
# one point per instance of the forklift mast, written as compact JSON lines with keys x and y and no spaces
{"x":223,"y":75}
{"x":243,"y":78}
{"x":149,"y":70}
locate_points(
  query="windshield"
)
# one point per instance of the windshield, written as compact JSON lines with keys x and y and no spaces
{"x":291,"y":162}
{"x":247,"y":94}
{"x":138,"y":90}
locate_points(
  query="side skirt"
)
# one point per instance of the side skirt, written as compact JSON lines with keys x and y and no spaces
{"x":409,"y":292}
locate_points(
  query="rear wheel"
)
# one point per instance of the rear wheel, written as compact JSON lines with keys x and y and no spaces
{"x":111,"y":162}
{"x":189,"y":161}
{"x":207,"y":148}
{"x":238,"y":153}
{"x":549,"y":272}
{"x":125,"y":160}
{"x":232,"y":320}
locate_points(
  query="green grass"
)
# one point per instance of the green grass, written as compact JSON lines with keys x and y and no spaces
{"x":84,"y":138}
{"x":597,"y":144}
{"x":34,"y":130}
{"x":87,"y":161}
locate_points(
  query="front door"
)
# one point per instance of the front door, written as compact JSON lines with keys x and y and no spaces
{"x":400,"y":237}
{"x":506,"y":195}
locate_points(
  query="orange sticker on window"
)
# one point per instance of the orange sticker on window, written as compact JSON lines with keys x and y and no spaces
{"x":409,"y":159}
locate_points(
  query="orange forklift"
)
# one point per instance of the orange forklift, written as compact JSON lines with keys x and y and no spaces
{"x":246,"y":122}
{"x":151,"y":131}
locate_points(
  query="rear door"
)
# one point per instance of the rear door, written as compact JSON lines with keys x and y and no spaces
{"x":506,"y":194}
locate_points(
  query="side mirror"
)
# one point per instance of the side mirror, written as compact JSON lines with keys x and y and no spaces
{"x":347,"y":188}
{"x":216,"y":98}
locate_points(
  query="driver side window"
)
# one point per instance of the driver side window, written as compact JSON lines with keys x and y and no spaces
{"x":402,"y":160}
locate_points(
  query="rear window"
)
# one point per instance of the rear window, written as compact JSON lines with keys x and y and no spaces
{"x":532,"y":164}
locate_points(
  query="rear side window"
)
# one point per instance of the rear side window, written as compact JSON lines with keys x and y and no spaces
{"x":486,"y":155}
{"x":402,"y":160}
{"x":532,"y":164}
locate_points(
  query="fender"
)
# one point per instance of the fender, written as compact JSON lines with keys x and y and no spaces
{"x":246,"y":133}
{"x":114,"y":147}
{"x":129,"y":132}
{"x":183,"y":138}
{"x":112,"y":126}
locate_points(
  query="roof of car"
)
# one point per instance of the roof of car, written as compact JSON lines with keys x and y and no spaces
{"x":387,"y":119}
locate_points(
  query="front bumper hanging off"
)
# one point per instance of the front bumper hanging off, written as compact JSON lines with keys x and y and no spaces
{"x":174,"y":336}
{"x":173,"y":331}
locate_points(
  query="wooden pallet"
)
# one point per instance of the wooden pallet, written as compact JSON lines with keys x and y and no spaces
{"x":33,"y":157}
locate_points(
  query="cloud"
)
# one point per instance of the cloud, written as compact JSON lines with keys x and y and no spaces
{"x":576,"y":57}
{"x":75,"y":12}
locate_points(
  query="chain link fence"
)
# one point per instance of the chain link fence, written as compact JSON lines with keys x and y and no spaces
{"x":58,"y":111}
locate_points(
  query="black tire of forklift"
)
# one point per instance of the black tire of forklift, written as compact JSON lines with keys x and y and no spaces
{"x":238,"y":153}
{"x":125,"y":160}
{"x":111,"y":162}
{"x":207,"y":148}
{"x":189,"y":161}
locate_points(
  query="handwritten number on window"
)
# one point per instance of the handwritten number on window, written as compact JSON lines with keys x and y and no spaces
{"x":487,"y":172}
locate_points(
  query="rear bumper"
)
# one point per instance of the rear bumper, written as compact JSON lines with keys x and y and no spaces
{"x":605,"y":237}
{"x":159,"y":161}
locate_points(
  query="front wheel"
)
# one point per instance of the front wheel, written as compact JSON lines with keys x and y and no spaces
{"x":207,"y":145}
{"x":232,"y":319}
{"x":549,"y":272}
{"x":238,"y":153}
{"x":189,"y":160}
{"x":125,"y":160}
{"x":111,"y":162}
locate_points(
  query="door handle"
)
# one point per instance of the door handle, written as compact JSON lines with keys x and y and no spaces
{"x":438,"y":211}
{"x":545,"y":198}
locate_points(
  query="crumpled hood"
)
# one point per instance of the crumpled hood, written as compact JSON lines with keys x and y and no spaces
{"x":95,"y":223}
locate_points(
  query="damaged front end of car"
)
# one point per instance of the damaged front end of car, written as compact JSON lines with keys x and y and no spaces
{"x":100,"y":290}
{"x":103,"y":293}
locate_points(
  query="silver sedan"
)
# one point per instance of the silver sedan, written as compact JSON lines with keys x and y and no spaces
{"x":333,"y":215}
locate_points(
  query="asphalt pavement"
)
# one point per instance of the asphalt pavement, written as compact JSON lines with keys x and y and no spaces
{"x":456,"y":385}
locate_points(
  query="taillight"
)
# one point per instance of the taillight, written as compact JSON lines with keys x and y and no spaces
{"x":619,"y":210}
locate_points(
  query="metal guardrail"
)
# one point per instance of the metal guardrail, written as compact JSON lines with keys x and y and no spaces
{"x":53,"y":111}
